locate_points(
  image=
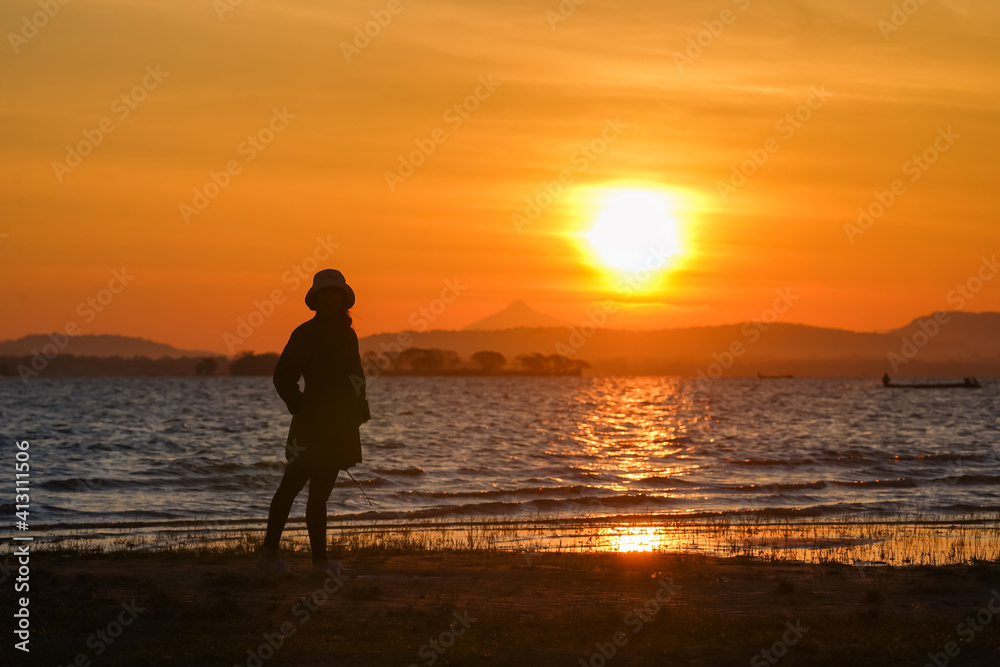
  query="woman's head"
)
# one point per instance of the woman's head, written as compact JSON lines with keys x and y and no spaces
{"x":330,"y":295}
{"x":328,"y":278}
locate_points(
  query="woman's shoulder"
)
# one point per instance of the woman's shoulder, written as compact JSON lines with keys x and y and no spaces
{"x":304,"y":332}
{"x":316,"y":328}
{"x":305,"y":327}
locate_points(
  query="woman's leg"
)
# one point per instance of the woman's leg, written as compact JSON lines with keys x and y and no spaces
{"x":320,"y":486}
{"x":296,"y":474}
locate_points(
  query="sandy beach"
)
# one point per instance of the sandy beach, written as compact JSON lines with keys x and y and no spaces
{"x":497,"y":608}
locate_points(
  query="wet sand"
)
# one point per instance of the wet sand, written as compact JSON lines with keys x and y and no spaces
{"x":492,"y":608}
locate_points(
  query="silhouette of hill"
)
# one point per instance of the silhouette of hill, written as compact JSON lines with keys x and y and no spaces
{"x":517,"y":314}
{"x":98,"y":345}
{"x":963,"y":334}
{"x":967,"y":344}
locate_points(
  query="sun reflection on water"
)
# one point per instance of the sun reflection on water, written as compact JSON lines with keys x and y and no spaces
{"x":633,"y":427}
{"x":635,"y":539}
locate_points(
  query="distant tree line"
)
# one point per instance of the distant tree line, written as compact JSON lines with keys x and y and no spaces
{"x":249,"y":363}
{"x":433,"y":361}
{"x":411,"y":361}
{"x":71,"y":365}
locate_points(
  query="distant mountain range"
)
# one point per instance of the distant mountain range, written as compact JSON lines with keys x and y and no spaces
{"x":944,"y":344}
{"x":99,"y":345}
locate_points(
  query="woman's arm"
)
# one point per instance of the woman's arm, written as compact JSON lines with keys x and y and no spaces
{"x":289,"y":369}
{"x":357,"y":378}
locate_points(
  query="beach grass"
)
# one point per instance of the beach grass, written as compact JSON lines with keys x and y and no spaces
{"x":900,"y":541}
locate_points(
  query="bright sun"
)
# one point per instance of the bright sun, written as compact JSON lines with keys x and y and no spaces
{"x":635,"y":229}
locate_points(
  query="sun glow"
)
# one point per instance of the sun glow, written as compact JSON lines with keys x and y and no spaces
{"x":635,"y":229}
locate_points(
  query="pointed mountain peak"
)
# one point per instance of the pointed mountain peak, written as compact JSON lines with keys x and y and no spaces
{"x":517,"y":314}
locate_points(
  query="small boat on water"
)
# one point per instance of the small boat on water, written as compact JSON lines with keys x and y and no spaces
{"x":966,"y":383}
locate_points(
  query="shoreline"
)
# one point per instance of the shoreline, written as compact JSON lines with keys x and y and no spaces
{"x":902,"y":541}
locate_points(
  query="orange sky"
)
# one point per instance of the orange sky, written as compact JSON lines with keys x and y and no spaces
{"x":680,"y":129}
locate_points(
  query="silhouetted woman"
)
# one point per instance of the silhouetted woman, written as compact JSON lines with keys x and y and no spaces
{"x":324,"y":436}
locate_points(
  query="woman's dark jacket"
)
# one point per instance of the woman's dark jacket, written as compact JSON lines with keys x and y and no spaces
{"x":327,"y":414}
